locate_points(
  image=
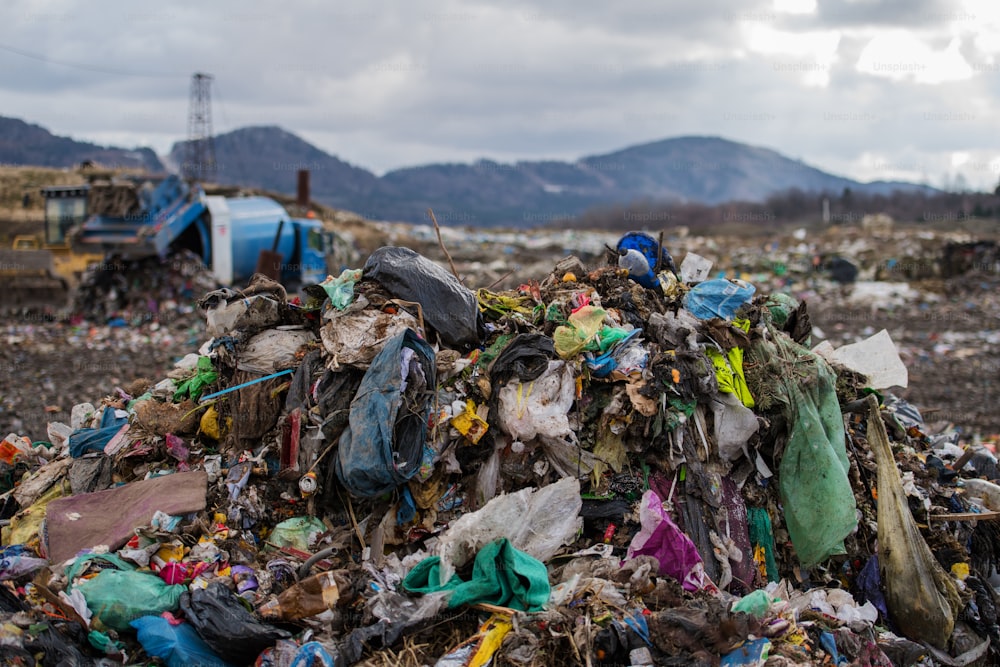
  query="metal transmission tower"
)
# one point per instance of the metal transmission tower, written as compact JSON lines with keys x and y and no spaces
{"x":200,"y":155}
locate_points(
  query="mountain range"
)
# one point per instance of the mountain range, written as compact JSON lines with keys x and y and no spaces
{"x":24,"y":144}
{"x":708,"y":170}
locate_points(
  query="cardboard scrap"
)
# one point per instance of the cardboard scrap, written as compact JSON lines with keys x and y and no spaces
{"x":109,"y":518}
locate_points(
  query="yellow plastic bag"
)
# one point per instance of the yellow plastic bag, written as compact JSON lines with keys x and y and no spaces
{"x":579,"y":330}
{"x":24,"y":525}
{"x":210,"y":425}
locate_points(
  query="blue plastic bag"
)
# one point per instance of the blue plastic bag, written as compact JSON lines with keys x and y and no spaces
{"x":382,"y":447}
{"x":718,"y":298}
{"x":84,"y":440}
{"x":176,"y":645}
{"x":312,"y":654}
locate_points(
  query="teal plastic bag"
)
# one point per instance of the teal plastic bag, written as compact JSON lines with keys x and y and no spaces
{"x":117,"y":598}
{"x":501,"y":575}
{"x":816,"y":494}
{"x":757,"y":604}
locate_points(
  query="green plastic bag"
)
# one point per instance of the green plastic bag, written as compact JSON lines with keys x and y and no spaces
{"x":205,"y":374}
{"x":298,"y":532}
{"x":341,"y":289}
{"x":816,"y":495}
{"x":117,"y":597}
{"x":757,"y":604}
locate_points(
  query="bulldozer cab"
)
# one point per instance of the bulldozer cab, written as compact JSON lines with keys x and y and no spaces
{"x":26,"y":242}
{"x":65,"y":207}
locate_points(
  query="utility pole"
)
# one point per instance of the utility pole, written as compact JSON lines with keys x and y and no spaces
{"x":199,"y":161}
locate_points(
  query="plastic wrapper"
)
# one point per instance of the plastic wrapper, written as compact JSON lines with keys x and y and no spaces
{"x":447,"y":305}
{"x":921,"y":597}
{"x":469,"y":423}
{"x":313,"y":654}
{"x":18,"y":560}
{"x":695,"y":268}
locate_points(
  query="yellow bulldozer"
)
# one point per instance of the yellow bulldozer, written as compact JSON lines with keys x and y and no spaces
{"x":40,"y":270}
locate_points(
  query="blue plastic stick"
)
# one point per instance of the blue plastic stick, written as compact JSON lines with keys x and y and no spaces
{"x":247,"y":384}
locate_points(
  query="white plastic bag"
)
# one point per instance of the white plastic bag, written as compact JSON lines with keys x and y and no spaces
{"x":536,"y":522}
{"x":734,"y":424}
{"x":354,"y":337}
{"x":876,"y":357}
{"x":252,"y":313}
{"x":540,"y":407}
{"x":272,"y":350}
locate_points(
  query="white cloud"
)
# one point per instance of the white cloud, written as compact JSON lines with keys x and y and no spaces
{"x":795,"y":6}
{"x":900,"y":55}
{"x":809,"y":56}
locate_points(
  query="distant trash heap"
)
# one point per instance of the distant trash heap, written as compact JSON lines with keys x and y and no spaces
{"x":629,"y":464}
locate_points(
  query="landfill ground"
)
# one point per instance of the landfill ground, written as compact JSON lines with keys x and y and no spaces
{"x":549,"y":460}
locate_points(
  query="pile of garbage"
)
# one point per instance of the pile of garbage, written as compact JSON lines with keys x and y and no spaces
{"x":132,"y":292}
{"x":628,"y":464}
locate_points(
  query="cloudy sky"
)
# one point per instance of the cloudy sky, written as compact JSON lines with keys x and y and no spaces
{"x":872,"y":89}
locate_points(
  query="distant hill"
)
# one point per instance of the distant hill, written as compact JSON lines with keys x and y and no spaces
{"x":269,"y":157}
{"x":708,"y":170}
{"x":24,"y":144}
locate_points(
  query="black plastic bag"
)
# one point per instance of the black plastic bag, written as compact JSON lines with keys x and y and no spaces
{"x":448,"y":305}
{"x":231,"y":630}
{"x":55,"y":648}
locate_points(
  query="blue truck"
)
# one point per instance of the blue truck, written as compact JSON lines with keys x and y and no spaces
{"x":130,"y":220}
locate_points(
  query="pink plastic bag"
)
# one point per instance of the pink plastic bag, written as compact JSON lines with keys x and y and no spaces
{"x":660,"y":537}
